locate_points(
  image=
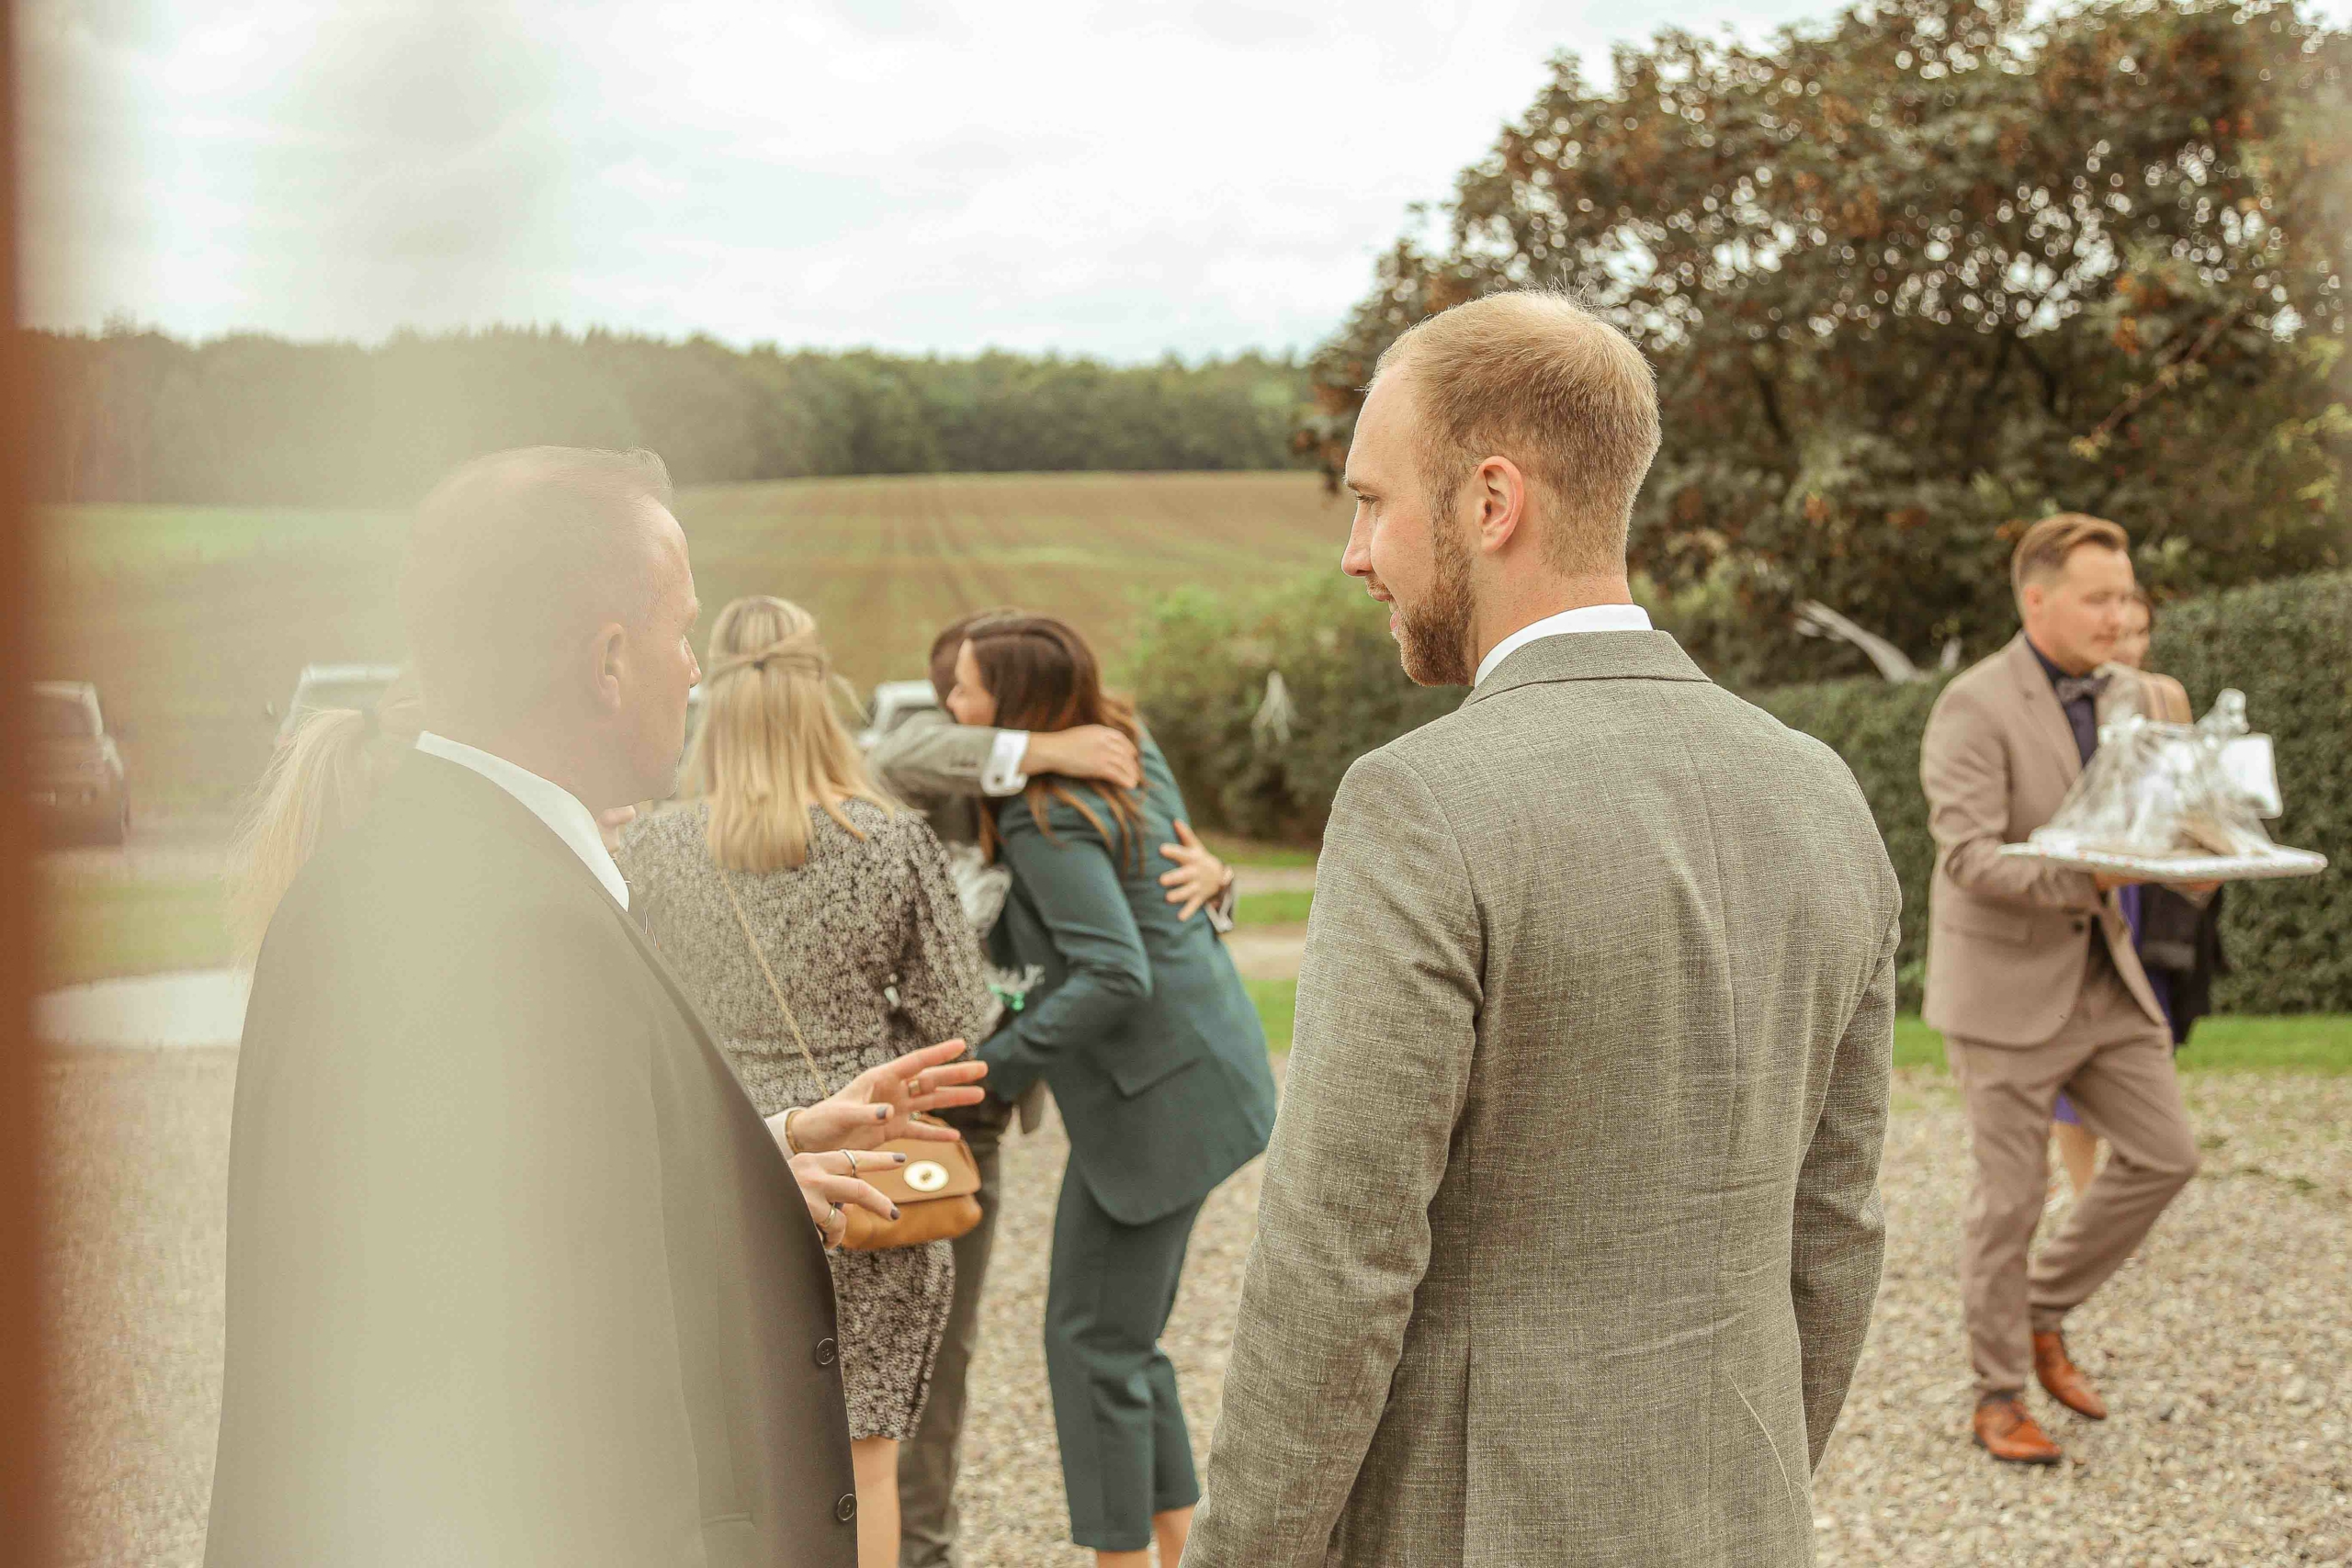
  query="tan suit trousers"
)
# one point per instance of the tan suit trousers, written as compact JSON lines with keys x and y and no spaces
{"x":2116,"y":1066}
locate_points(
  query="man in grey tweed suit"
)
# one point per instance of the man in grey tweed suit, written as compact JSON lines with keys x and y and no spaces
{"x":1570,"y":1229}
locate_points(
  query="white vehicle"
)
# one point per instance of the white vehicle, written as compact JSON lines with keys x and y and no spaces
{"x":893,"y":702}
{"x":321,"y":687}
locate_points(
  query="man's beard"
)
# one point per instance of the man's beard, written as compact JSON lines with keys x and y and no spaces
{"x":1433,"y":638}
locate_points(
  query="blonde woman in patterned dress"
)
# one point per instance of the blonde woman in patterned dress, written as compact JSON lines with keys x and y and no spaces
{"x":850,"y":898}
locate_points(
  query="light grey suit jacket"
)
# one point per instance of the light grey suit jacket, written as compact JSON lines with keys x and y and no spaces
{"x":1571,"y":1229}
{"x":934,"y":765}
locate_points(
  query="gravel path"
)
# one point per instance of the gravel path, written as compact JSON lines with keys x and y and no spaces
{"x":2225,"y":1350}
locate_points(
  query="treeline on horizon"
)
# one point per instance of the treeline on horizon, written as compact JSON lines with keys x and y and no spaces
{"x":132,"y":415}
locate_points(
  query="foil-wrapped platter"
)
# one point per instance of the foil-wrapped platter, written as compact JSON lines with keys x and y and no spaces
{"x":2279,"y":861}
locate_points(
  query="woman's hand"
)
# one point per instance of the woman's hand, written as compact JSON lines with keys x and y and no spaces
{"x":1199,"y":877}
{"x":828,"y":1181}
{"x":610,"y":822}
{"x":881,"y":1103}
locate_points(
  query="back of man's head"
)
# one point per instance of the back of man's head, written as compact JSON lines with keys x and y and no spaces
{"x":1537,"y":378}
{"x":517,"y":556}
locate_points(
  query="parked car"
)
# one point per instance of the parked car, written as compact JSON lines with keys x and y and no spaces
{"x":78,"y":790}
{"x":321,"y":687}
{"x":893,"y":702}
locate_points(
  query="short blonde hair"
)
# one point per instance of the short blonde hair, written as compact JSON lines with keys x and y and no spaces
{"x":2043,"y":553}
{"x":772,"y":744}
{"x":513,"y":554}
{"x":1536,"y":378}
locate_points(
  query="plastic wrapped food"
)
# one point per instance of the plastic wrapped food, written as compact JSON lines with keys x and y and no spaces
{"x":2173,"y":802}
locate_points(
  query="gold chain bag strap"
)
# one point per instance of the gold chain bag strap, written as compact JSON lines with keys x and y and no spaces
{"x":937,"y":1190}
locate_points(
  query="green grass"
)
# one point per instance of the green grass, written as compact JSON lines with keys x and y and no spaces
{"x":2318,"y":1043}
{"x":1286,"y":909}
{"x":1277,"y":1001}
{"x":2303,"y":1043}
{"x":149,"y":538}
{"x":98,"y":930}
{"x":1234,"y":850}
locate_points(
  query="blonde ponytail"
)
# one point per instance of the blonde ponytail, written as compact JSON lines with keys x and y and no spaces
{"x":319,"y":781}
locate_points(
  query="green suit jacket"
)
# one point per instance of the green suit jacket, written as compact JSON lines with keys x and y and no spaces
{"x":1140,"y":1024}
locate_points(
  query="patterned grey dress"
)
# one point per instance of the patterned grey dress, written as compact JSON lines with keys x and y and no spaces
{"x":873,"y":952}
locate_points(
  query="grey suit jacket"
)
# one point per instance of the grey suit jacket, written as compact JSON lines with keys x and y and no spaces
{"x":934,"y":765}
{"x":1571,"y":1229}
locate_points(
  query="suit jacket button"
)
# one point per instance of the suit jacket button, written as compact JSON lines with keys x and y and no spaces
{"x":2082,"y":925}
{"x":846,"y":1509}
{"x":827,"y":1351}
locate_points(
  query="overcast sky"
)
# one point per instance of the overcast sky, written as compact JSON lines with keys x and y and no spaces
{"x":1119,"y":180}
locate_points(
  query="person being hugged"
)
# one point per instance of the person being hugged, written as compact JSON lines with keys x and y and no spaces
{"x":1155,"y":1055}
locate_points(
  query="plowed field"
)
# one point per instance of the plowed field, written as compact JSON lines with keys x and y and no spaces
{"x":192,"y":619}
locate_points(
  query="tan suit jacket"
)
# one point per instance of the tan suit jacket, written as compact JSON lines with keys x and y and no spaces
{"x":2007,"y":939}
{"x":1570,"y":1231}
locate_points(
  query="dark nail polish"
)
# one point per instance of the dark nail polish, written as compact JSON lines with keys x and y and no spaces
{"x":894,"y":1210}
{"x":900,"y":1158}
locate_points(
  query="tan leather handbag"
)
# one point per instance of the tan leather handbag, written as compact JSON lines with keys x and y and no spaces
{"x":937,"y":1190}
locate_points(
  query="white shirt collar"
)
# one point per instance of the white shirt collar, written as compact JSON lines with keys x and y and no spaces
{"x":1591,"y":618}
{"x":551,"y":803}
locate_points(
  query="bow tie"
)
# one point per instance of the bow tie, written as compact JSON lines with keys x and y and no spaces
{"x":2072,"y":687}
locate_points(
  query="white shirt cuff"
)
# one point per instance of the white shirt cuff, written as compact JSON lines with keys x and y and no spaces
{"x":1003,"y":774}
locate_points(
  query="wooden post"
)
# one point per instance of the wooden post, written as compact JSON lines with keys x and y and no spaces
{"x":24,"y":1492}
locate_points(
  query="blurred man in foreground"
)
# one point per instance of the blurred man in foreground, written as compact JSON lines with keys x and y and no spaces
{"x":515,"y":1273}
{"x":2033,"y":978}
{"x":1570,"y":1231}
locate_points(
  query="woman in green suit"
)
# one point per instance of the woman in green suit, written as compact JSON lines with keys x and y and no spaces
{"x":1155,"y":1055}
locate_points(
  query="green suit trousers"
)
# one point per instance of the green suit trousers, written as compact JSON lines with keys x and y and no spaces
{"x":1126,"y":1454}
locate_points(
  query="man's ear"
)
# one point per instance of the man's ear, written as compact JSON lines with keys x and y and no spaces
{"x":1499,"y":492}
{"x":610,"y":662}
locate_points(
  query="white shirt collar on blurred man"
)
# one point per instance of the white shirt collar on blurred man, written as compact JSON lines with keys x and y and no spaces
{"x":551,"y":803}
{"x":1591,"y":618}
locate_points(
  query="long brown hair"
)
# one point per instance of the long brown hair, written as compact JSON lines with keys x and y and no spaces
{"x":771,"y":743}
{"x":1045,"y":677}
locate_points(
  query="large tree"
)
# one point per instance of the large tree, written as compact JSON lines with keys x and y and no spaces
{"x":1918,"y":276}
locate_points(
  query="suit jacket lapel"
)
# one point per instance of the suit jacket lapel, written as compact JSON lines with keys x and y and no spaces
{"x":2040,"y":702}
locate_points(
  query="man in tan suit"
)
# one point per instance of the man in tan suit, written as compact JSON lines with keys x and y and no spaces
{"x":2034,"y":979}
{"x":1570,"y":1231}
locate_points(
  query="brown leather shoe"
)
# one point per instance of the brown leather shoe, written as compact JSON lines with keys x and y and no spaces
{"x":2005,"y":1430}
{"x":2063,"y":1379}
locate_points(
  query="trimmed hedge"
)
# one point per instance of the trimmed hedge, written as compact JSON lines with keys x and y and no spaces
{"x":2288,"y":646}
{"x":1198,"y":665}
{"x":1876,"y":727}
{"x":1201,"y":663}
